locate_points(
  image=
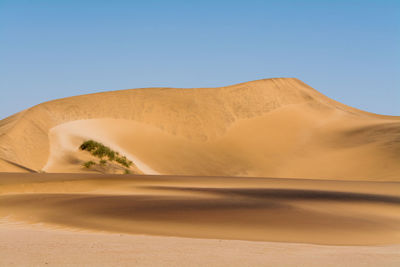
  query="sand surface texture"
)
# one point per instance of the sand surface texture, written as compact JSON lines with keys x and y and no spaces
{"x":95,"y":219}
{"x":199,"y":192}
{"x":266,"y":128}
{"x":23,"y":245}
{"x":287,"y":210}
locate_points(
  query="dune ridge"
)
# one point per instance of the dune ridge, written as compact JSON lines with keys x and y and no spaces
{"x":274,"y":127}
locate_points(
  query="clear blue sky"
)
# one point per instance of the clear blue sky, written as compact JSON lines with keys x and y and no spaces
{"x":348,"y":50}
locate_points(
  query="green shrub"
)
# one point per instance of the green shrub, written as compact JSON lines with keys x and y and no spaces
{"x":123,"y":161}
{"x":126,"y":171}
{"x":111,"y":155}
{"x":89,"y":164}
{"x":99,"y":150}
{"x":89,"y":145}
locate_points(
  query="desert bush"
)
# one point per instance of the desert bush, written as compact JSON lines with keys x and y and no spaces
{"x":89,"y":164}
{"x":99,"y":150}
{"x":89,"y":145}
{"x":126,"y":171}
{"x":123,"y":161}
{"x":111,"y":155}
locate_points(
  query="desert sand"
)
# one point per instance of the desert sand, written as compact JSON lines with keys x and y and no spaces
{"x":266,"y":128}
{"x":35,"y":245}
{"x":266,"y":168}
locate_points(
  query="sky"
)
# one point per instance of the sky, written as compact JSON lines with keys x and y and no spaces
{"x":348,"y":50}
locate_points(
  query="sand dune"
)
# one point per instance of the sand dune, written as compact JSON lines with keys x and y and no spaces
{"x":288,"y":210}
{"x":203,"y":156}
{"x":265,"y":128}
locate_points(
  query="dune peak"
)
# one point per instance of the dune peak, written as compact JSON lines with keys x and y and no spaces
{"x":269,"y":127}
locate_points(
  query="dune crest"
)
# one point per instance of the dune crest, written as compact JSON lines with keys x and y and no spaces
{"x":267,"y":128}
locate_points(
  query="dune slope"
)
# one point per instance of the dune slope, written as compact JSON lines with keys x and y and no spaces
{"x":266,"y":128}
{"x":242,"y":208}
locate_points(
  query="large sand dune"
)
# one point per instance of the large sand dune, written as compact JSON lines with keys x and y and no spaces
{"x":204,"y":155}
{"x":265,"y":128}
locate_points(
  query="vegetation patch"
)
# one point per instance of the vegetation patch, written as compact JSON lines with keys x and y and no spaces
{"x":105,"y":155}
{"x":89,"y":164}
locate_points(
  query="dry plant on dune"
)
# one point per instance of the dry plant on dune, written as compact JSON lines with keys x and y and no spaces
{"x":101,"y":151}
{"x":89,"y":164}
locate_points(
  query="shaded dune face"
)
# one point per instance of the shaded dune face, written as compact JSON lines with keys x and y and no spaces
{"x":288,"y":210}
{"x":266,"y":128}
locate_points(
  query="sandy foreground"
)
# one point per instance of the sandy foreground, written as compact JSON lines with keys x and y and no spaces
{"x":33,"y":245}
{"x":121,"y":220}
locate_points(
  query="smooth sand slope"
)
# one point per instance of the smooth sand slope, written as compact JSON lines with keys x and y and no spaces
{"x":265,"y":128}
{"x":259,"y":209}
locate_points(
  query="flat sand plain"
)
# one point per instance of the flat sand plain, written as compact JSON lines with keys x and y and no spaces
{"x":36,"y":245}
